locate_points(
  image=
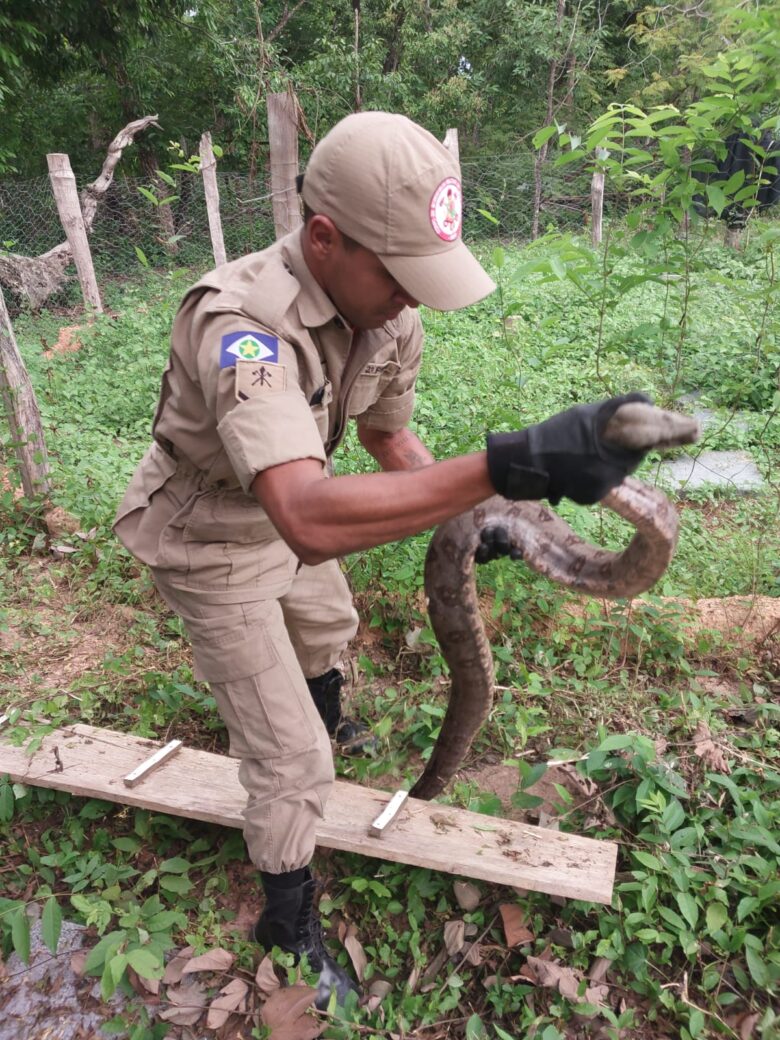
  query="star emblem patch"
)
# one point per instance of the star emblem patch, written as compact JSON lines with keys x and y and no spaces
{"x":248,"y":346}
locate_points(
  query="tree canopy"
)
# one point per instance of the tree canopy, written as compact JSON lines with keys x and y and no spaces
{"x":72,"y":72}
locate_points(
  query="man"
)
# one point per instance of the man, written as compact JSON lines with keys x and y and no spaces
{"x":232,"y":506}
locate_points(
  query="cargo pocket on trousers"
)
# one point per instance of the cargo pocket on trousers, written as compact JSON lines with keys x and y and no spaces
{"x":267,"y":709}
{"x":227,"y":645}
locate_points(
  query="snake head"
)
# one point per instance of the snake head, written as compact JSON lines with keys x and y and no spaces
{"x":637,"y":426}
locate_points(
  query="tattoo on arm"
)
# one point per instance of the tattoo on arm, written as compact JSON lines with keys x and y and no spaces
{"x":414,"y":458}
{"x":401,"y":451}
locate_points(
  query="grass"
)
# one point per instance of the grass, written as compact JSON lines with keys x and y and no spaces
{"x":632,"y":695}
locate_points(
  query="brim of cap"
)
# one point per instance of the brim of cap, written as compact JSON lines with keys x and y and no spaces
{"x":444,"y":281}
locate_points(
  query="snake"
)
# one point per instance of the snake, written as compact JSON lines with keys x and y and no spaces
{"x":548,"y":545}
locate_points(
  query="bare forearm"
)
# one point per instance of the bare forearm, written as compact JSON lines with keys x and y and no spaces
{"x":321,"y":519}
{"x":402,"y":450}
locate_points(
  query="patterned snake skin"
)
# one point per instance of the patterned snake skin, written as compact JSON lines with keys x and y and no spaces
{"x":550,"y":547}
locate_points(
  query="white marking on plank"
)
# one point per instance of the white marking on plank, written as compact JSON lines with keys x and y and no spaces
{"x":388,"y":815}
{"x":153,"y":762}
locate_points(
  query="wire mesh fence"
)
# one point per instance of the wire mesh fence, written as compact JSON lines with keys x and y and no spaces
{"x":130,"y":233}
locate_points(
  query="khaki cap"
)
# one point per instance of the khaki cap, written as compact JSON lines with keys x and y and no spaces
{"x":389,"y":184}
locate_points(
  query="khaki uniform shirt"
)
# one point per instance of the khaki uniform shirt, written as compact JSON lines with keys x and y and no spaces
{"x":262,"y":371}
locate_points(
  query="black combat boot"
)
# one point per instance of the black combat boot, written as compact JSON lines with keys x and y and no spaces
{"x":352,"y":736}
{"x":291,"y":922}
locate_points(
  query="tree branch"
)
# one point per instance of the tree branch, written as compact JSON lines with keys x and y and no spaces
{"x":288,"y":13}
{"x":37,"y":277}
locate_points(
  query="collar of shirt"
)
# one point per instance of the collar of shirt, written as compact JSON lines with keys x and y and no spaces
{"x":315,"y":308}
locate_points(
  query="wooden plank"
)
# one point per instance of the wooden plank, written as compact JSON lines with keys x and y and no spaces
{"x":199,"y":785}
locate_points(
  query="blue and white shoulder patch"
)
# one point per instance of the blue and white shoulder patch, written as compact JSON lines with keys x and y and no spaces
{"x":248,"y":346}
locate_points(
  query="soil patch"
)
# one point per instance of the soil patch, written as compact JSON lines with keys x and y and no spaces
{"x":67,"y":343}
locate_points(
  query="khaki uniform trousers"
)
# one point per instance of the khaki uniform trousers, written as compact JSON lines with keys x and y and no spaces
{"x":256,"y":656}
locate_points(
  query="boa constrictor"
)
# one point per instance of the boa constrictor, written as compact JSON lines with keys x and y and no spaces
{"x":549,"y":546}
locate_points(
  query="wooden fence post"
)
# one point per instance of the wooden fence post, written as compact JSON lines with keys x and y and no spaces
{"x":283,"y":144}
{"x":21,"y":408}
{"x":208,"y":168}
{"x":596,"y":206}
{"x":66,"y":196}
{"x":451,"y":143}
{"x":597,"y":200}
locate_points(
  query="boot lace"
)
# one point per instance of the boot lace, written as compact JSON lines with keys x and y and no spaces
{"x":309,"y":930}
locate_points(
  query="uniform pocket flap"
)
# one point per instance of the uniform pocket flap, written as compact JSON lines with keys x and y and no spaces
{"x":154,"y":469}
{"x":228,"y":516}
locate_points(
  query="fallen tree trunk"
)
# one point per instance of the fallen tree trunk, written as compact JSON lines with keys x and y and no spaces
{"x":37,"y":277}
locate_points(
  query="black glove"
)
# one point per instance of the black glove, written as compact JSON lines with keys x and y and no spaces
{"x":494,"y":542}
{"x":564,"y":455}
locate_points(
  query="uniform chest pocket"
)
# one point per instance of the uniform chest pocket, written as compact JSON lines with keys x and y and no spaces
{"x":370,"y":385}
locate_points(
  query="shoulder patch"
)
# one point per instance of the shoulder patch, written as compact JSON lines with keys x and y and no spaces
{"x":248,"y":346}
{"x":258,"y":378}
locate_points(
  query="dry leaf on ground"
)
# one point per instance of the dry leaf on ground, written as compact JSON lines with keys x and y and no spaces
{"x":743,"y":1023}
{"x":230,"y":998}
{"x":175,"y":966}
{"x":467,"y":895}
{"x":142,"y":985}
{"x":566,"y":981}
{"x":549,"y":821}
{"x":285,"y":1013}
{"x":212,"y":960}
{"x":599,"y":968}
{"x":708,"y":751}
{"x":414,"y":978}
{"x":377,"y":992}
{"x":187,"y":1003}
{"x":356,"y":952}
{"x":77,"y":962}
{"x":265,"y":977}
{"x":454,"y":937}
{"x":515,"y":928}
{"x":432,"y":970}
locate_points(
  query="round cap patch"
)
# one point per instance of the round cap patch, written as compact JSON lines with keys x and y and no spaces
{"x":446,"y":209}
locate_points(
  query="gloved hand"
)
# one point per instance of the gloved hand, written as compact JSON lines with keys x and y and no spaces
{"x":494,"y":542}
{"x":564,"y":455}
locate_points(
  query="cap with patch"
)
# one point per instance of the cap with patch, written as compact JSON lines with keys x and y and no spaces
{"x":389,"y":184}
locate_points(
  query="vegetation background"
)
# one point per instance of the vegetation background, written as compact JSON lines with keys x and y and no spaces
{"x":667,"y":722}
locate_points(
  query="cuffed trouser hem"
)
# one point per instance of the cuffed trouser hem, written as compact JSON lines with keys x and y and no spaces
{"x":280,"y":829}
